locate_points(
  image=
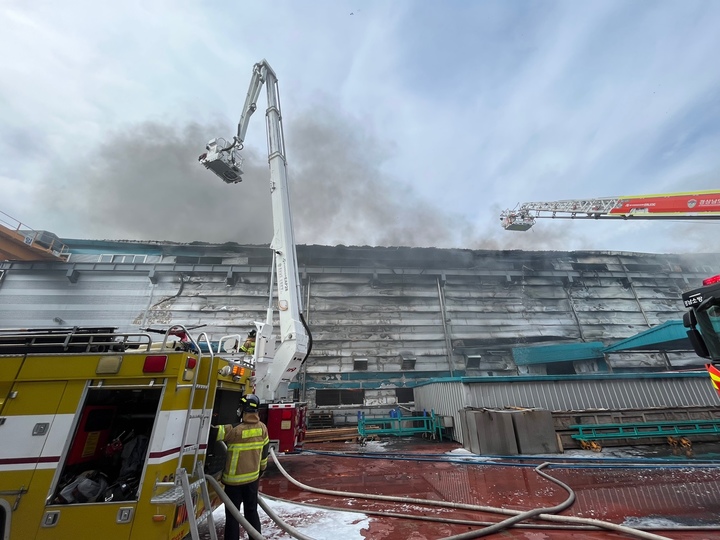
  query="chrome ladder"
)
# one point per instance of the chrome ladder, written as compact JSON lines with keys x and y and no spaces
{"x":182,"y":488}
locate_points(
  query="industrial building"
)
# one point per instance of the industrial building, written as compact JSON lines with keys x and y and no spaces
{"x":386,"y":320}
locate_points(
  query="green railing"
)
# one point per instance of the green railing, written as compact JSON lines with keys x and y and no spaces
{"x":642,"y":430}
{"x":400,"y":426}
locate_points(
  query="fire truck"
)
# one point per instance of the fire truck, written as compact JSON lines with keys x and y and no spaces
{"x":702,"y":320}
{"x":109,"y":434}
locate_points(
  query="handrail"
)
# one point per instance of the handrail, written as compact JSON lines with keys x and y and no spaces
{"x":64,"y":339}
{"x":24,"y":231}
{"x":207,"y":393}
{"x":193,"y":386}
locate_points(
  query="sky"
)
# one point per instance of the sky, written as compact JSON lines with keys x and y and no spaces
{"x":407,"y":122}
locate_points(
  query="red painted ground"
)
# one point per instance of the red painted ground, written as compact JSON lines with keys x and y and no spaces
{"x":686,"y":496}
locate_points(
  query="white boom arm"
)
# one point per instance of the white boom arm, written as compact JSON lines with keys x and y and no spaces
{"x":524,"y":217}
{"x":274,"y":369}
{"x":676,"y":206}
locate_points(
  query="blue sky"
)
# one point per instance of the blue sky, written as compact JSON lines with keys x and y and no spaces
{"x":407,"y":122}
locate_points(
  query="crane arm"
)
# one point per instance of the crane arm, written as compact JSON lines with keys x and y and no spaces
{"x":274,"y":368}
{"x":679,"y":206}
{"x":256,"y":84}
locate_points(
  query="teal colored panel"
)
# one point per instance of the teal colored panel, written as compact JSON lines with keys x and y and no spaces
{"x":567,"y":352}
{"x":668,"y":335}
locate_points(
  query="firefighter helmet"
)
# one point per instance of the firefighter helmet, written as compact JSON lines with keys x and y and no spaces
{"x":248,"y":403}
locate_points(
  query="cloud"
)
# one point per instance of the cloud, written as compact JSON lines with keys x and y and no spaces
{"x":450,"y":113}
{"x":144,"y":182}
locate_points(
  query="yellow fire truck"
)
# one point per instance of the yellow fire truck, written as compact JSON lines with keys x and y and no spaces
{"x":105,"y":433}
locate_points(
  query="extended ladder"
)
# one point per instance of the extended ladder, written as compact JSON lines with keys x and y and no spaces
{"x":182,"y":490}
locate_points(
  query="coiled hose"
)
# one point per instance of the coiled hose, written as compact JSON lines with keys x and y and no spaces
{"x":545,"y":516}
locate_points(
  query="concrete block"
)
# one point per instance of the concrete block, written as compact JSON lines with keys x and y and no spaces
{"x":496,"y":433}
{"x":470,"y":437}
{"x":535,"y":432}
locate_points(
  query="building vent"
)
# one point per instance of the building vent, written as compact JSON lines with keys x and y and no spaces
{"x":407,"y":360}
{"x":184,"y":259}
{"x":473,"y":361}
{"x":590,"y":267}
{"x":360,"y":364}
{"x":122,"y":258}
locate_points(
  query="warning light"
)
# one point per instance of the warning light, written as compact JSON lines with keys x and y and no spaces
{"x":190,"y":363}
{"x":238,"y":371}
{"x":711,"y":280}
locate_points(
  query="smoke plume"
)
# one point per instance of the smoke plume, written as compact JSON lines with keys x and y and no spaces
{"x":145,"y":183}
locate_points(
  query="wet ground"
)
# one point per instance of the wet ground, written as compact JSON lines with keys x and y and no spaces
{"x":648,"y":487}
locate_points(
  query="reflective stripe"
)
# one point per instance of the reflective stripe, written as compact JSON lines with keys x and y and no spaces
{"x":246,"y":451}
{"x":221,"y":433}
{"x":240,"y":478}
{"x":240,"y":447}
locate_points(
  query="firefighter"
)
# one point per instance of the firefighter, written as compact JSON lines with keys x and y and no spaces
{"x":248,"y":446}
{"x":249,"y":346}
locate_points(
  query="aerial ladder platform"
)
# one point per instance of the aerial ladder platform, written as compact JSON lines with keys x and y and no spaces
{"x":698,"y":205}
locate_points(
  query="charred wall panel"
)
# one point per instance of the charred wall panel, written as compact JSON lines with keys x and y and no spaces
{"x":400,"y":309}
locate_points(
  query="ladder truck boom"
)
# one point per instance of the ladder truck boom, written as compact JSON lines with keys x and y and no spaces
{"x":275,"y":368}
{"x":677,"y":206}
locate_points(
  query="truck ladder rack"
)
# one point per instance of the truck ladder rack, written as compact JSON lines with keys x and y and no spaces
{"x":70,"y":340}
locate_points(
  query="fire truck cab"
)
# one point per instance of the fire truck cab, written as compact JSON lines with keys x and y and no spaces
{"x":111,"y":432}
{"x":702,"y":320}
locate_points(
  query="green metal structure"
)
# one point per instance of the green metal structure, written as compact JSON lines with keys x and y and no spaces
{"x":400,"y":426}
{"x":642,"y":430}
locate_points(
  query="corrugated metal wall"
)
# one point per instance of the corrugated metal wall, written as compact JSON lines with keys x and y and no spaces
{"x":565,"y":394}
{"x":378,"y":304}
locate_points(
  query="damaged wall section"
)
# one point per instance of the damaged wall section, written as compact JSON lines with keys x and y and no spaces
{"x":383,"y":319}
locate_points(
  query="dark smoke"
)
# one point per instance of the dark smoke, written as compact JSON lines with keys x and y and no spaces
{"x":341,"y":196}
{"x":145,"y":183}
